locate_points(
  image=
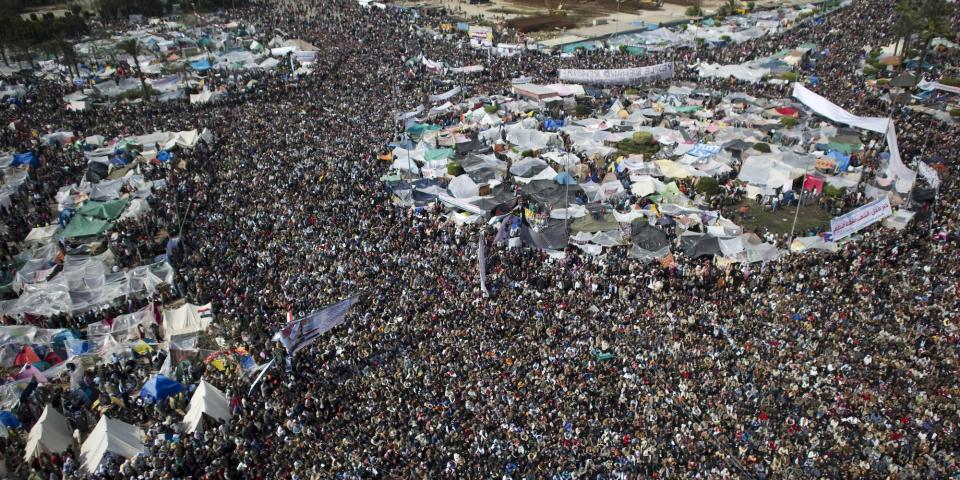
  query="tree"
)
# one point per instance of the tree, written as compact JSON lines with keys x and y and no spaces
{"x":132,"y":47}
{"x":729,"y":7}
{"x":937,"y":21}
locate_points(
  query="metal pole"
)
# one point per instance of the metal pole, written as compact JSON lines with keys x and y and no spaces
{"x":795,"y":215}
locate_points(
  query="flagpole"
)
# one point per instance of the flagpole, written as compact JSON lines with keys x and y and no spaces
{"x":795,"y":215}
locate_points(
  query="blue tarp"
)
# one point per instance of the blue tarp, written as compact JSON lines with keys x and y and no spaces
{"x":163,"y":156}
{"x":702,"y":150}
{"x":552,"y":125}
{"x":160,"y":387}
{"x":25,"y":158}
{"x":843,"y":161}
{"x":564,"y":178}
{"x":200,"y":65}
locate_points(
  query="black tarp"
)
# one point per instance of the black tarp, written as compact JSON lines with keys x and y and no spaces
{"x":647,"y":237}
{"x":696,"y":246}
{"x":553,"y":236}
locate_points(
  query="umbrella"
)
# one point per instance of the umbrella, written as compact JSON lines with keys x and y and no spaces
{"x":160,"y":387}
{"x":9,"y":420}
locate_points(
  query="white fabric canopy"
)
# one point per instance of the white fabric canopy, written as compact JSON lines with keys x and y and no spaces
{"x":188,"y":319}
{"x":110,"y":435}
{"x":51,"y":434}
{"x":207,"y":400}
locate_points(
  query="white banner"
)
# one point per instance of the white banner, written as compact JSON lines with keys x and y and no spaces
{"x":896,"y":169}
{"x":856,"y":220}
{"x":482,"y":259}
{"x":445,"y":95}
{"x":300,"y":333}
{"x":618,"y":76}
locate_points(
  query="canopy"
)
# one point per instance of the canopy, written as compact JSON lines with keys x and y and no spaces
{"x":647,"y":236}
{"x":84,"y":226}
{"x":160,"y":387}
{"x":207,"y":400}
{"x":110,"y":435}
{"x":108,"y":210}
{"x":51,"y":434}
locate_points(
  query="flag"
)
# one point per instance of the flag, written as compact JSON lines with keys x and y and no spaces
{"x":482,"y":260}
{"x":300,"y":333}
{"x":263,"y":370}
{"x":930,"y":174}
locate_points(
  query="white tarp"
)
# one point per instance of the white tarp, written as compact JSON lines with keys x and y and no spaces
{"x":856,"y":220}
{"x":207,"y":401}
{"x":110,"y":435}
{"x":896,"y":168}
{"x":51,"y":434}
{"x":617,"y":76}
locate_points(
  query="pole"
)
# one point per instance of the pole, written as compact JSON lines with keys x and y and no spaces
{"x":795,"y":215}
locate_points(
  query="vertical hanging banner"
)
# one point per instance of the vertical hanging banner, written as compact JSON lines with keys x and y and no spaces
{"x":482,"y":260}
{"x":618,"y":76}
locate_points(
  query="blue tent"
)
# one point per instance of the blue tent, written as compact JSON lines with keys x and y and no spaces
{"x":163,"y":156}
{"x":200,"y":65}
{"x":160,"y":387}
{"x":8,"y":419}
{"x":564,"y":178}
{"x":25,"y":158}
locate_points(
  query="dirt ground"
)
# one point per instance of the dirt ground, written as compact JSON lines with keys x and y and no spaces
{"x":589,"y":18}
{"x":810,"y":218}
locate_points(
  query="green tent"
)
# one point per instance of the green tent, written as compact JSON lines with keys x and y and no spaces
{"x":84,"y":226}
{"x":104,"y":210}
{"x":591,"y":224}
{"x":438,"y":154}
{"x":636,"y":51}
{"x":689,"y":108}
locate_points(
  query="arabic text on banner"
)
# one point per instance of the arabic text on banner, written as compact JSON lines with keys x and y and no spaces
{"x":617,"y":76}
{"x":856,"y":220}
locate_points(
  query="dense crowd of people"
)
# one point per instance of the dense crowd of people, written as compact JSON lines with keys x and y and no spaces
{"x":817,"y":365}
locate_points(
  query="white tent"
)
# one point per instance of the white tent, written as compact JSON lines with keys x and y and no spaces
{"x":51,"y":434}
{"x":112,"y":436}
{"x":188,"y":319}
{"x":207,"y":400}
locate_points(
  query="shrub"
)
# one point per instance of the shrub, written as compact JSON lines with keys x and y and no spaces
{"x":790,"y":76}
{"x":761,"y":147}
{"x":694,"y":11}
{"x":643,"y":137}
{"x":726,"y":38}
{"x":869,"y":70}
{"x":955,"y":112}
{"x":751,"y":5}
{"x":708,"y":186}
{"x":831,"y":191}
{"x":639,"y":143}
{"x":788,"y":122}
{"x":951,"y":81}
{"x":490,"y":108}
{"x":630,"y":91}
{"x":581,"y":110}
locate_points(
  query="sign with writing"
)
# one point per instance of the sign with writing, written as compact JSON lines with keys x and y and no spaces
{"x":619,"y":76}
{"x":856,"y":220}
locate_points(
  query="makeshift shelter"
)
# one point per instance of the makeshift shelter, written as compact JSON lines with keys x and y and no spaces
{"x":207,"y":403}
{"x":110,"y":435}
{"x":696,"y":246}
{"x":84,"y":226}
{"x":647,"y":236}
{"x":51,"y":434}
{"x":108,"y":210}
{"x":160,"y":387}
